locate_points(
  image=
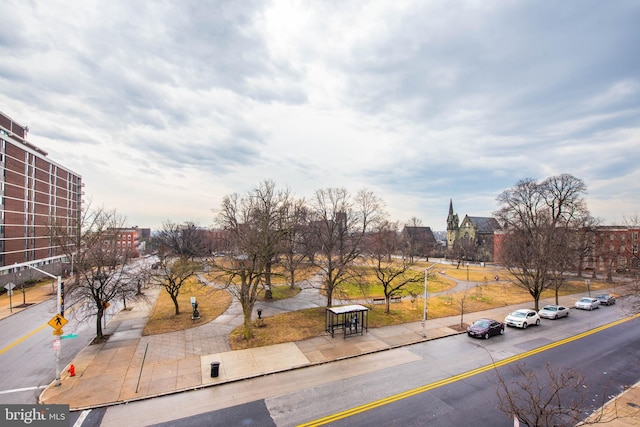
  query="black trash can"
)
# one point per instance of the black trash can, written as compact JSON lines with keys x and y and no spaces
{"x":215,"y":369}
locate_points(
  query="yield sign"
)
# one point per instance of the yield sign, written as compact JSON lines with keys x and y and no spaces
{"x":57,"y":322}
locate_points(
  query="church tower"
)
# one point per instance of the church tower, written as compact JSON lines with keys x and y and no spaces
{"x":452,"y":226}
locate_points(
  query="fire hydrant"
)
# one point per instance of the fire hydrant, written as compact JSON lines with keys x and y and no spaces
{"x":72,"y":371}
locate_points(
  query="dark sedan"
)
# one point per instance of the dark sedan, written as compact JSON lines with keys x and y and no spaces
{"x":485,"y":328}
{"x":606,"y":299}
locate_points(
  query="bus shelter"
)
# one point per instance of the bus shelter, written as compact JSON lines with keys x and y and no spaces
{"x":352,"y":319}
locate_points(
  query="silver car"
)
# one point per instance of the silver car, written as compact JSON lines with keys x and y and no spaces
{"x":587,"y":303}
{"x":554,"y":311}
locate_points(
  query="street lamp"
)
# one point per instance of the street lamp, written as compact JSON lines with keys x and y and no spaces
{"x":424,"y":311}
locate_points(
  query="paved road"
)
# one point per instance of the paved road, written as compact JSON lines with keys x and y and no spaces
{"x":27,"y":357}
{"x":311,"y":393}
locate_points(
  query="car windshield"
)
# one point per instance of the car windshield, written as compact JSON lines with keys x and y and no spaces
{"x":518,"y":314}
{"x":551,"y":308}
{"x":481,"y":323}
{"x":602,"y":296}
{"x":585,"y":300}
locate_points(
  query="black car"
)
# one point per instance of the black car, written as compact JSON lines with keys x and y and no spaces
{"x":606,"y":299}
{"x":485,"y":328}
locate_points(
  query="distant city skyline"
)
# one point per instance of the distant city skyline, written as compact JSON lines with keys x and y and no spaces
{"x":166,"y":107}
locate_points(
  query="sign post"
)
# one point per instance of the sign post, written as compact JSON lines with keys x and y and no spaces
{"x":9,"y":287}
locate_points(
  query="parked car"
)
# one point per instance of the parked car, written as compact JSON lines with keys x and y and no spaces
{"x":606,"y":299}
{"x":587,"y":303}
{"x":553,"y":312}
{"x":522,"y":318}
{"x":485,"y":328}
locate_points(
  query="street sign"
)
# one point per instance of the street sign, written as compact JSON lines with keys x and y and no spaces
{"x":64,"y":337}
{"x":58,"y":332}
{"x":9,"y":286}
{"x":56,"y":344}
{"x":57,"y":322}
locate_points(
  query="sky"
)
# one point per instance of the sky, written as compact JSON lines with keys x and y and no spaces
{"x":165,"y":107}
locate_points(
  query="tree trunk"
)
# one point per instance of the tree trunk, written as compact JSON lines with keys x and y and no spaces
{"x":99,"y":315}
{"x":247,"y":332}
{"x":174,"y":298}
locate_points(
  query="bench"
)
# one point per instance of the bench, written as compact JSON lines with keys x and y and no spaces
{"x":383,"y":300}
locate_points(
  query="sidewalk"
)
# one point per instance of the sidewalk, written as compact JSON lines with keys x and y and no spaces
{"x":131,"y":367}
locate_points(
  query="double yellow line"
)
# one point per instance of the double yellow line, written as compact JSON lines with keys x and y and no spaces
{"x":427,"y":387}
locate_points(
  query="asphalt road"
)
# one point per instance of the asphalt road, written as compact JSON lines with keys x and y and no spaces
{"x":27,"y":357}
{"x":424,"y":382}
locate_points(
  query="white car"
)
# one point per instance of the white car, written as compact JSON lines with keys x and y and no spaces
{"x":587,"y":303}
{"x":553,"y":312}
{"x":522,"y":318}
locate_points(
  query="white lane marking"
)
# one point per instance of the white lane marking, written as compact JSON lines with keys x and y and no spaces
{"x":81,"y":418}
{"x":18,"y":390}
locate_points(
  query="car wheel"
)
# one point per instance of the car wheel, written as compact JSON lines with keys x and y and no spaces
{"x":524,"y":325}
{"x":486,"y":336}
{"x":538,"y":322}
{"x":555,"y":317}
{"x":502,"y":331}
{"x":590,"y":307}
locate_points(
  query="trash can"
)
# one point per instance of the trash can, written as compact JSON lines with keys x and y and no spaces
{"x":215,"y":369}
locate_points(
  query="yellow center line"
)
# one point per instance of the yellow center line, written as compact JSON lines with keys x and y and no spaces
{"x":458,"y":377}
{"x":30,"y":334}
{"x":18,"y":341}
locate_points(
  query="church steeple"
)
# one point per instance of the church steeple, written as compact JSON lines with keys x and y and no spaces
{"x":452,"y":219}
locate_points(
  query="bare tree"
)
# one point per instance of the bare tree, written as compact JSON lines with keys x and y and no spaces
{"x":557,"y":399}
{"x":186,"y":241}
{"x":339,"y":224}
{"x":179,"y":247}
{"x":255,"y":223}
{"x":292,"y":247}
{"x":101,"y":263}
{"x":393,"y":275}
{"x":173,"y":272}
{"x":538,"y":219}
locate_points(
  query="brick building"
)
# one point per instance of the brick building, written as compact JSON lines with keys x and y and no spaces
{"x":34,"y":191}
{"x":608,"y":249}
{"x":615,"y":250}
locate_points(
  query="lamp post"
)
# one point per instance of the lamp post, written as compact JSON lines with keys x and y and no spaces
{"x":424,"y":311}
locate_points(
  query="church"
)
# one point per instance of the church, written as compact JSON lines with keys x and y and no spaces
{"x":471,"y":240}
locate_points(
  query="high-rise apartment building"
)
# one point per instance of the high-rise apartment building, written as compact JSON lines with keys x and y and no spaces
{"x":35,"y":192}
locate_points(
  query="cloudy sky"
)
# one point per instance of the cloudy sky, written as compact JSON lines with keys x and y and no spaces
{"x":164,"y":107}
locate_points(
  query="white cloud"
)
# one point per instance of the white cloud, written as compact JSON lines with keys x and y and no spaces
{"x":165,"y":107}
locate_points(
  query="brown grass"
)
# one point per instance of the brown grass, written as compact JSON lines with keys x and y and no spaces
{"x":211,"y":304}
{"x":304,"y":324}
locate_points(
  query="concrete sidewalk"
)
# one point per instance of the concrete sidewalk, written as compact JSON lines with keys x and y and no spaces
{"x":131,"y":367}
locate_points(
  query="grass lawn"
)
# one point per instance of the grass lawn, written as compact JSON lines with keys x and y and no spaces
{"x":304,"y":324}
{"x":211,"y":304}
{"x":309,"y":323}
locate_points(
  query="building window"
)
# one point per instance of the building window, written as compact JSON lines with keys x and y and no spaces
{"x":635,"y":235}
{"x":635,"y":248}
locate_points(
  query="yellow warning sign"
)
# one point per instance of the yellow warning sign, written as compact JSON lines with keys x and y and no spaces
{"x":57,"y":332}
{"x":57,"y":322}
